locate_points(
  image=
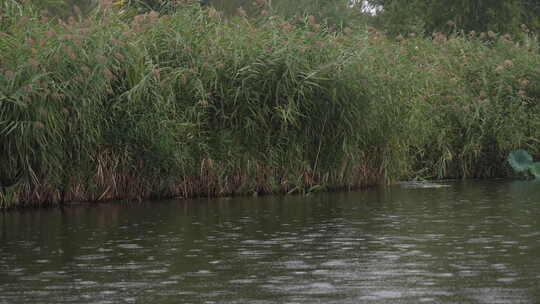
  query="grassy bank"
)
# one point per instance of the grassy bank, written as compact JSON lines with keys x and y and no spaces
{"x":191,"y":104}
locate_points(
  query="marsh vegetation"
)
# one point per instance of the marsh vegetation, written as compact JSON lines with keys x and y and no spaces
{"x":121,"y":105}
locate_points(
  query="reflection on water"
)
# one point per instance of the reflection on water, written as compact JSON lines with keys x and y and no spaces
{"x":473,"y":242}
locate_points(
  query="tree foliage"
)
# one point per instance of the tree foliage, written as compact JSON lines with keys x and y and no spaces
{"x":64,"y":8}
{"x":337,"y":13}
{"x":507,"y":17}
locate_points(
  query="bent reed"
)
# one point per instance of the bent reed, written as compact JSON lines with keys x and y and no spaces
{"x":188,"y":104}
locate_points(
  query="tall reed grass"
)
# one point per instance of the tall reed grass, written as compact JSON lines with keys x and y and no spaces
{"x":191,"y":104}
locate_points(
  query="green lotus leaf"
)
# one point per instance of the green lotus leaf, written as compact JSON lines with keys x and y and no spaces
{"x":520,"y":160}
{"x":535,"y":170}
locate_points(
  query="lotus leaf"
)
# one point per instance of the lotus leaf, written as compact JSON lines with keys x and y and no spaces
{"x":520,"y":160}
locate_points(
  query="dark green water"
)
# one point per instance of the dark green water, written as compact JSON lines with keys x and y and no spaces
{"x":476,"y":242}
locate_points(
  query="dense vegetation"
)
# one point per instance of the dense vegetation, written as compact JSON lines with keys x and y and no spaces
{"x":428,"y":16}
{"x":115,"y":106}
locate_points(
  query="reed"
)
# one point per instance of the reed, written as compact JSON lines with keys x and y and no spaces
{"x":115,"y":106}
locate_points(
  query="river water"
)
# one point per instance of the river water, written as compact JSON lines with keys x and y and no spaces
{"x":474,"y":242}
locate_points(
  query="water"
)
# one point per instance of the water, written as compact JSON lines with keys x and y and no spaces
{"x":473,"y":242}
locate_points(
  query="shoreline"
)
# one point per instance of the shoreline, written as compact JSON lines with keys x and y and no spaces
{"x":191,"y":103}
